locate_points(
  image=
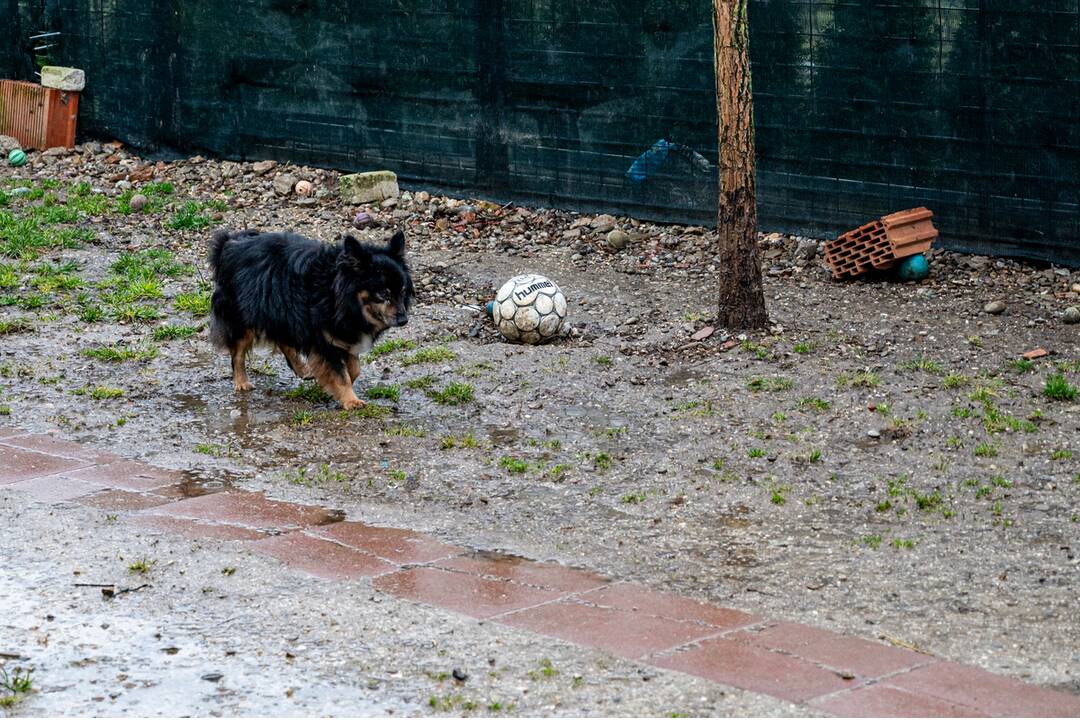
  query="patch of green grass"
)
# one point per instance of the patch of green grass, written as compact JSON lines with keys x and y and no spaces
{"x":985,"y":450}
{"x":9,"y":277}
{"x":1061,"y":455}
{"x":121,"y":353}
{"x":634,"y":498}
{"x":956,"y":380}
{"x":141,"y":566}
{"x":421,"y":383}
{"x":602,"y":461}
{"x":865,"y":379}
{"x":773,"y":384}
{"x":815,"y":456}
{"x":211,"y":449}
{"x":922,"y":363}
{"x":10,"y":326}
{"x":556,"y":472}
{"x":513,"y":465}
{"x":456,"y":393}
{"x":954,"y":443}
{"x":1021,"y":365}
{"x":14,"y":685}
{"x":190,"y":216}
{"x":5,"y":410}
{"x":155,"y":193}
{"x":26,"y":237}
{"x":476,"y":370}
{"x":309,"y":391}
{"x":389,"y":346}
{"x":778,"y":494}
{"x":756,"y":453}
{"x":196,"y":303}
{"x":962,"y":411}
{"x":803,"y":348}
{"x":175,"y":332}
{"x":303,"y":418}
{"x":103,"y":392}
{"x":1058,"y":388}
{"x":48,"y":277}
{"x":603,"y":361}
{"x":814,"y":403}
{"x":439,"y":353}
{"x":468,"y":441}
{"x":135,"y":313}
{"x":384,"y":392}
{"x":405,"y":431}
{"x":903,"y":544}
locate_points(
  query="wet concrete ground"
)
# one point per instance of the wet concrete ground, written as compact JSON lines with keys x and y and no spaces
{"x":745,"y":476}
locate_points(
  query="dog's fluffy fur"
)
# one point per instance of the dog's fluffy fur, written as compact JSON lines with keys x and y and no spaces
{"x":327,"y":303}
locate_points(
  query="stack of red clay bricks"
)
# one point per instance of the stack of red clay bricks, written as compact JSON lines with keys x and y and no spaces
{"x":878,"y":245}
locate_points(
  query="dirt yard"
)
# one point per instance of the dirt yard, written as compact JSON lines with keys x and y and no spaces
{"x":881,"y":462}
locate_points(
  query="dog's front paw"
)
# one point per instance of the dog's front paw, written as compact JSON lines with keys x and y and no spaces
{"x":243,"y":386}
{"x":353,"y":403}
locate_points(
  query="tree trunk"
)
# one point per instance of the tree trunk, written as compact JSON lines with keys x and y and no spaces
{"x":742,"y":301}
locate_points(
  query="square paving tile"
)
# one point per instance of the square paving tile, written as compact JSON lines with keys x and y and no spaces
{"x":509,"y":567}
{"x":840,"y":652}
{"x":466,"y":594}
{"x":54,"y":488}
{"x":322,"y":558}
{"x":128,"y":475}
{"x":619,"y":632}
{"x":17,"y":464}
{"x":399,"y":546}
{"x":884,"y":701}
{"x":64,"y":448}
{"x":989,"y":693}
{"x":247,"y":509}
{"x":123,"y":500}
{"x":753,"y":668}
{"x":196,"y":530}
{"x":642,"y":600}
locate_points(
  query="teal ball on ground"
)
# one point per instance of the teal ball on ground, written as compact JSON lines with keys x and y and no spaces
{"x":913,"y":268}
{"x":489,"y":308}
{"x":17,"y":157}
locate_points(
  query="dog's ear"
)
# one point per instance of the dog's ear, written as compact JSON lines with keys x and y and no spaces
{"x":356,"y":250}
{"x":396,"y":247}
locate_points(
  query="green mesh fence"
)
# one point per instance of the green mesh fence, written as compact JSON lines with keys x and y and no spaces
{"x":970,"y":107}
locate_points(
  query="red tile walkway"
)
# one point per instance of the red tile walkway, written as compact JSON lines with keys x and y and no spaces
{"x":836,"y":674}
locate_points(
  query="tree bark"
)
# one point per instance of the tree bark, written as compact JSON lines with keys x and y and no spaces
{"x":742,"y":300}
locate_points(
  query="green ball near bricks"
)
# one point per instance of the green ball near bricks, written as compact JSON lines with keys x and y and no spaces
{"x":17,"y":157}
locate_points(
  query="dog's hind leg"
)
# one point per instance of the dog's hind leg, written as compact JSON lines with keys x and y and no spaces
{"x":335,"y":381}
{"x":239,"y":353}
{"x":297,"y":365}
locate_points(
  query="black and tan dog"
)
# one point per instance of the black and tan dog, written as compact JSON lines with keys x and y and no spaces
{"x":327,"y":303}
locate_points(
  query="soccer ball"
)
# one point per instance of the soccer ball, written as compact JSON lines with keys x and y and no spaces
{"x":529,"y":309}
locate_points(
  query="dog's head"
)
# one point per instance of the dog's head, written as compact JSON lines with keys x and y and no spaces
{"x":380,"y":281}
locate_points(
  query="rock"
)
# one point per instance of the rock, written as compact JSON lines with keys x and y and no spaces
{"x":283,"y":184}
{"x":7,"y":144}
{"x":617,"y":239}
{"x":1076,"y":288}
{"x":303,"y":188}
{"x":264,"y":166}
{"x":874,"y":434}
{"x":704,"y":333}
{"x":460,"y":675}
{"x":229,"y":170}
{"x":1072,"y":315}
{"x":995,"y":307}
{"x":362,"y":220}
{"x":123,"y":185}
{"x":138,"y":202}
{"x":58,"y":151}
{"x":212,"y":676}
{"x":806,"y":250}
{"x":63,"y":78}
{"x":572,"y":234}
{"x":369,"y":187}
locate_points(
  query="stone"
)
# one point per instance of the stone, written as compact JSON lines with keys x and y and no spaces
{"x":362,"y":220}
{"x":1076,"y":288}
{"x":303,"y":188}
{"x":617,"y":239}
{"x":229,"y":170}
{"x":283,"y":184}
{"x":995,"y":307}
{"x":7,"y":144}
{"x":138,"y":202}
{"x":63,"y":78}
{"x":264,"y":166}
{"x":1072,"y":315}
{"x":369,"y":187}
{"x":873,"y":433}
{"x":806,"y":250}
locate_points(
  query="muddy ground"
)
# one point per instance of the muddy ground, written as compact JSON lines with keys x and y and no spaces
{"x":880,"y":462}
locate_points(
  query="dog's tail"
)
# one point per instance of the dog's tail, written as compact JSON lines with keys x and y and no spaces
{"x":217,"y":246}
